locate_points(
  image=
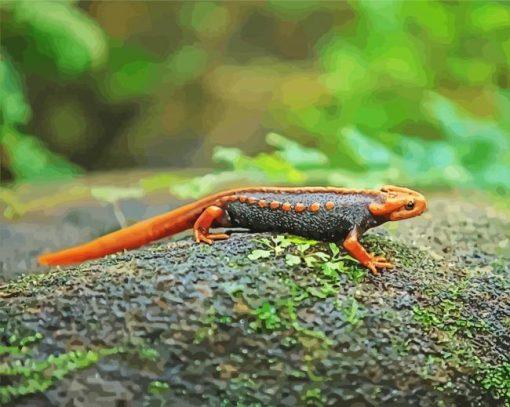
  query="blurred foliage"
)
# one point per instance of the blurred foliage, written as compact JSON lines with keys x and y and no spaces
{"x":51,"y":38}
{"x":363,"y":92}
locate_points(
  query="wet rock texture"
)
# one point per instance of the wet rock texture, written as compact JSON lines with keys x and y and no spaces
{"x":206,"y":325}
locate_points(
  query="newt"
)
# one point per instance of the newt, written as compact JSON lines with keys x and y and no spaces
{"x":321,"y":213}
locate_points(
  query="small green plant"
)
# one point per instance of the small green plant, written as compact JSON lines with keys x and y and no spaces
{"x":211,"y":320}
{"x":266,"y":317}
{"x":305,"y":253}
{"x":313,"y":397}
{"x":274,"y":246}
{"x":157,"y":387}
{"x":425,"y":317}
{"x":353,"y":312}
{"x":148,"y":353}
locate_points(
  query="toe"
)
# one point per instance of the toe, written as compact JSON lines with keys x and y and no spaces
{"x":218,"y":236}
{"x":372,"y":269}
{"x":200,"y":237}
{"x":384,"y":264}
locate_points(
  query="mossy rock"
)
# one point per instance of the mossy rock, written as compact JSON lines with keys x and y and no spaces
{"x":260,"y":319}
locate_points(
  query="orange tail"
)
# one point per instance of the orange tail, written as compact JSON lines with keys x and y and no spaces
{"x":133,"y":236}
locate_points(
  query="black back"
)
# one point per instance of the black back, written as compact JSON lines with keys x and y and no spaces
{"x":350,"y":210}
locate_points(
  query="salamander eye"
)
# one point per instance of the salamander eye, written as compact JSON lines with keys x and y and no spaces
{"x":410,"y":205}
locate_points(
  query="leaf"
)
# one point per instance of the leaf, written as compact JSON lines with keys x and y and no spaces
{"x":205,"y":18}
{"x":472,"y":71}
{"x":276,"y":170}
{"x":489,"y":17}
{"x":204,"y":185}
{"x":187,"y":64}
{"x":293,"y":10}
{"x":303,"y":247}
{"x":229,"y":156}
{"x":14,"y":108}
{"x":310,"y":261}
{"x":316,"y":293}
{"x":292,"y":260}
{"x":345,"y":66}
{"x":285,"y":243}
{"x":278,"y":239}
{"x":58,"y":37}
{"x":334,"y":248}
{"x":160,"y":181}
{"x":296,"y":154}
{"x":321,"y":255}
{"x":30,"y":160}
{"x":435,"y":18}
{"x":330,"y":271}
{"x":478,"y":143}
{"x":366,"y":151}
{"x":265,"y":241}
{"x":131,"y":72}
{"x":259,"y":254}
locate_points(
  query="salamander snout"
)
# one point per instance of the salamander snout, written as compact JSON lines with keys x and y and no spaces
{"x":406,"y":202}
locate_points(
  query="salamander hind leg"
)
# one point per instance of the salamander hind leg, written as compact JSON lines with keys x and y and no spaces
{"x":205,"y":221}
{"x":356,"y":250}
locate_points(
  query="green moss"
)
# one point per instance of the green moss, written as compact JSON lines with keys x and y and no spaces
{"x":18,"y":346}
{"x":33,"y":376}
{"x":447,"y":316}
{"x":27,"y":283}
{"x":453,"y":325}
{"x":25,"y":373}
{"x":497,"y":380}
{"x":425,"y":317}
{"x":327,"y":264}
{"x":211,"y":320}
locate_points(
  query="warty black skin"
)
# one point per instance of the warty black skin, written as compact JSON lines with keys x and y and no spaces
{"x":350,"y":211}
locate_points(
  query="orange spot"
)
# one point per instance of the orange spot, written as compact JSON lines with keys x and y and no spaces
{"x":299,"y":207}
{"x":243,"y":198}
{"x":286,"y":206}
{"x":252,"y":200}
{"x":329,"y":205}
{"x":274,"y":205}
{"x":262,"y":203}
{"x":315,"y":207}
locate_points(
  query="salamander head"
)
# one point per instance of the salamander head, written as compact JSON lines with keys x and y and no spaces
{"x":400,"y":203}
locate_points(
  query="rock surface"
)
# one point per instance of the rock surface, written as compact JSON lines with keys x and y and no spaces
{"x":268,"y":320}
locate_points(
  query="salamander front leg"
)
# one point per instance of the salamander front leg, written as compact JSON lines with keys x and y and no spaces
{"x":356,"y":250}
{"x":205,"y":221}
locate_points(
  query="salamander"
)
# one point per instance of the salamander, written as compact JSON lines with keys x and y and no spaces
{"x":322,"y":213}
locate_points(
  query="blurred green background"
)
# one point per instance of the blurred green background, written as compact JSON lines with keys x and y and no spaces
{"x":282,"y":92}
